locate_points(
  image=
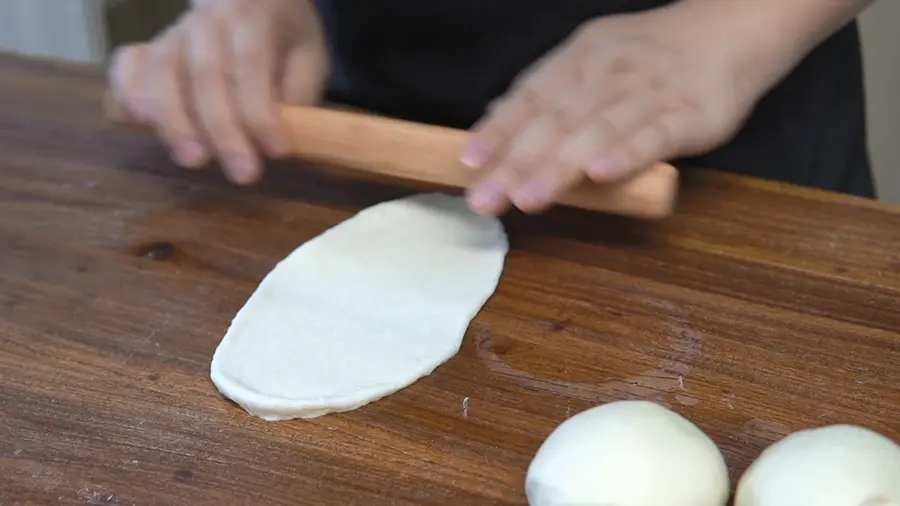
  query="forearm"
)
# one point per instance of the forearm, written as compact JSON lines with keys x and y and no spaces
{"x":794,"y":25}
{"x":772,"y":36}
{"x":812,"y":20}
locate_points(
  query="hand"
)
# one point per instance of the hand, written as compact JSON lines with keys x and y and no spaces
{"x":210,"y":84}
{"x":622,"y":93}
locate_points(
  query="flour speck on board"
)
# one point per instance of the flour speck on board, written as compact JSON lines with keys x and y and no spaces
{"x":465,"y":407}
{"x":729,"y":400}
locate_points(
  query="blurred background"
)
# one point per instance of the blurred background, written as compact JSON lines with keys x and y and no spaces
{"x":86,"y":31}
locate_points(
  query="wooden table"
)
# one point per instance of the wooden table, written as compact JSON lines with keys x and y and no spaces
{"x":758,"y":310}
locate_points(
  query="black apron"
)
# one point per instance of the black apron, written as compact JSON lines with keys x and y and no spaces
{"x":442,"y":62}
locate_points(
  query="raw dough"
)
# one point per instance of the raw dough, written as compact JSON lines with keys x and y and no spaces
{"x":363,"y":310}
{"x":838,"y":465}
{"x":628,"y":453}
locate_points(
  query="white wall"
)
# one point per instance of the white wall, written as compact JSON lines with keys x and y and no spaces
{"x":881,"y":56}
{"x":69,"y":29}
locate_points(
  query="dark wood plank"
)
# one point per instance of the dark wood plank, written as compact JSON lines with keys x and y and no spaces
{"x":758,"y":310}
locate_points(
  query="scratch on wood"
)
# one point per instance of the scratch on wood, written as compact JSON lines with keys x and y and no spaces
{"x":143,"y":342}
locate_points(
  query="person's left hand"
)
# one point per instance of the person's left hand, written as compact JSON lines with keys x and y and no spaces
{"x":620,"y":94}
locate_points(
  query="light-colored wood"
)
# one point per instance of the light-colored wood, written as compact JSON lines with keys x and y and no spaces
{"x":428,"y":154}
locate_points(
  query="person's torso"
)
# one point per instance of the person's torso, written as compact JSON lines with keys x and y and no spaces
{"x":443,"y":62}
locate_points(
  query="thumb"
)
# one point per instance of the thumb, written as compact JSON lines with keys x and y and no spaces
{"x":306,"y":73}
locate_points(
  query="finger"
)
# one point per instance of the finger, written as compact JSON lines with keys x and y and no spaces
{"x":505,"y":118}
{"x":565,"y":163}
{"x":255,"y":84}
{"x":545,"y":176}
{"x":492,"y":194}
{"x":489,"y":196}
{"x":213,"y":102}
{"x":173,"y":123}
{"x":527,"y":171}
{"x":124,"y":69}
{"x":590,"y":148}
{"x":665,"y":138}
{"x":537,"y":193}
{"x":534,"y":92}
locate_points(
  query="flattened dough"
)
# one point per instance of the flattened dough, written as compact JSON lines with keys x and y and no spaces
{"x":363,"y":310}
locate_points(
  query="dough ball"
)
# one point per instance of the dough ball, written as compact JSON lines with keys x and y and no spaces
{"x":839,"y":465}
{"x":628,"y":453}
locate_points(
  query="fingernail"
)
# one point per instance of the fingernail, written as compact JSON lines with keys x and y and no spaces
{"x":485,"y":196}
{"x":605,"y":167}
{"x":243,"y":170}
{"x":189,"y":154}
{"x":475,"y":154}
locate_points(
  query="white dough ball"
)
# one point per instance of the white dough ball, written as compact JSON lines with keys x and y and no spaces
{"x":628,"y":453}
{"x":839,"y":465}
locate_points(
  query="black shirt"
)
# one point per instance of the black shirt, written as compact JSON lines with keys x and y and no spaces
{"x":442,"y":62}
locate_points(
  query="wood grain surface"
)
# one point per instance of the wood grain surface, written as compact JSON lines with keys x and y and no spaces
{"x":759,"y":309}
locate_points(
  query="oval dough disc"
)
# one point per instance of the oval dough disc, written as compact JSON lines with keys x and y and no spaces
{"x":363,"y":310}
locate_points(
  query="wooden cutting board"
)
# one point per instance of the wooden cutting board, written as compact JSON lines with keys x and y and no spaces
{"x":756,"y":310}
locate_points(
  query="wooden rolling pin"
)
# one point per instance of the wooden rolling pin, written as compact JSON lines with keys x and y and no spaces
{"x":429,"y":154}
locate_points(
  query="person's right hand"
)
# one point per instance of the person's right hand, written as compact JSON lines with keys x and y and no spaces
{"x":210,"y":83}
